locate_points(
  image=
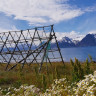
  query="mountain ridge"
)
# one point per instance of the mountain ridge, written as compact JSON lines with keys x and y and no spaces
{"x":88,"y":40}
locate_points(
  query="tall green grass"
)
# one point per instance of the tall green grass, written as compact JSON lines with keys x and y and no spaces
{"x":73,"y":71}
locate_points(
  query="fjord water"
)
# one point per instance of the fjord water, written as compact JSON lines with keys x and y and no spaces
{"x":81,"y":53}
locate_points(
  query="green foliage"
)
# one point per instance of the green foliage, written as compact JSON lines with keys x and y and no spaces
{"x":44,"y":81}
{"x":17,"y":84}
{"x":21,"y":77}
{"x":72,"y":63}
{"x":87,"y":67}
{"x":57,"y":73}
{"x":4,"y":92}
{"x":60,"y":87}
{"x":5,"y":81}
{"x":80,"y":69}
{"x":90,"y":57}
{"x":77,"y":72}
{"x":36,"y":70}
{"x":73,"y":71}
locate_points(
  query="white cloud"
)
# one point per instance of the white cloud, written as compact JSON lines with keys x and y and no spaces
{"x":73,"y":35}
{"x":40,"y":11}
{"x":92,"y":32}
{"x":90,"y":9}
{"x":12,"y":28}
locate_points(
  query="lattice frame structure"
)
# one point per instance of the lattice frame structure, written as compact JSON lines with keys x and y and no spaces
{"x":28,"y":47}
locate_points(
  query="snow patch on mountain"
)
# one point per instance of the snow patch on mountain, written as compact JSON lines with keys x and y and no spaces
{"x":66,"y":39}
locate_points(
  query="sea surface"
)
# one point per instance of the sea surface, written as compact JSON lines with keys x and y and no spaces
{"x":81,"y":53}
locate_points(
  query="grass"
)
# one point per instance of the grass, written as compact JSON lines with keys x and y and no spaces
{"x":31,"y":76}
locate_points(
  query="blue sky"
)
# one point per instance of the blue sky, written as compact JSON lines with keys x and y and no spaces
{"x":83,"y":23}
{"x":73,"y":17}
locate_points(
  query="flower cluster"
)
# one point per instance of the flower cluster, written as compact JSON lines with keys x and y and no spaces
{"x":23,"y":90}
{"x":60,"y":87}
{"x":86,"y":87}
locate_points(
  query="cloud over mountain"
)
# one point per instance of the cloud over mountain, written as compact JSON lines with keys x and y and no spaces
{"x":73,"y":35}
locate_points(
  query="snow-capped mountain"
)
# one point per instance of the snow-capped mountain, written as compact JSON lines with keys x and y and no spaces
{"x":66,"y":39}
{"x":64,"y":42}
{"x":88,"y":40}
{"x":75,"y":41}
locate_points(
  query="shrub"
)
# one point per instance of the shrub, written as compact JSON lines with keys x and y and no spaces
{"x":77,"y":72}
